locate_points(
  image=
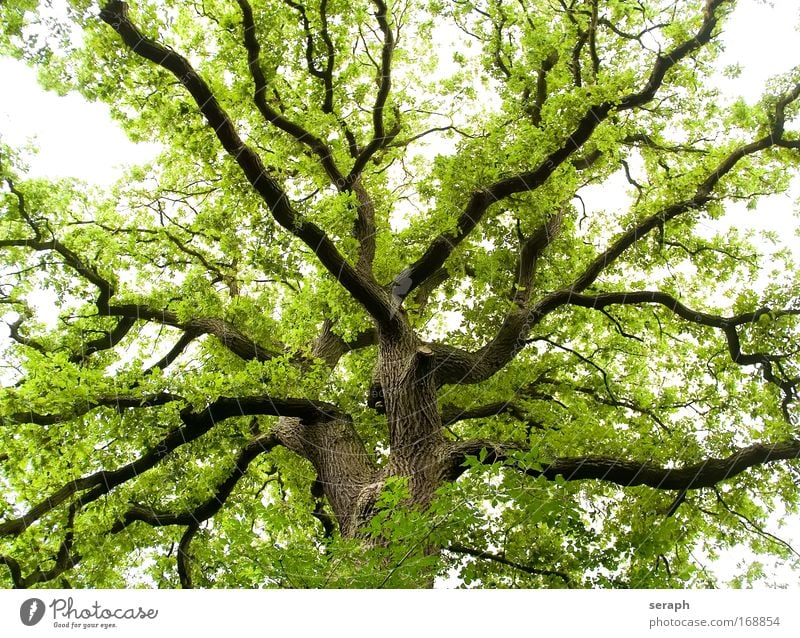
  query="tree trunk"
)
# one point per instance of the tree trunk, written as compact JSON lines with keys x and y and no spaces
{"x":407,"y":375}
{"x":350,"y":480}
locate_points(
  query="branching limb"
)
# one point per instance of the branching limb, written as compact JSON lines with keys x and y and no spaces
{"x":531,"y":248}
{"x":380,"y":137}
{"x":107,"y":341}
{"x":66,"y":558}
{"x":261,"y":444}
{"x":365,"y":230}
{"x":195,"y":425}
{"x":71,"y":259}
{"x":305,"y":137}
{"x":702,"y":196}
{"x":705,"y":473}
{"x":14,"y":569}
{"x":472,"y":367}
{"x":119,"y":403}
{"x":128,"y":314}
{"x":228,"y":334}
{"x":727,"y":324}
{"x":180,"y":345}
{"x":480,"y":201}
{"x":374,"y":300}
{"x":457,"y":548}
{"x":13,"y":333}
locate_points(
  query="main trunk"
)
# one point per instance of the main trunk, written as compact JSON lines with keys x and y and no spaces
{"x":407,"y":374}
{"x":351,"y":481}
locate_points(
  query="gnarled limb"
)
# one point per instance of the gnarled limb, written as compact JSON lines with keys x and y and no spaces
{"x":480,"y":201}
{"x":374,"y":300}
{"x":195,"y":425}
{"x":627,"y":473}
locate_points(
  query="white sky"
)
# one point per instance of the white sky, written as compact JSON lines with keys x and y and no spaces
{"x":78,"y":139}
{"x":75,"y":138}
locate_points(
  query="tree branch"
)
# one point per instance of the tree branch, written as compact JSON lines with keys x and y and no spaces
{"x":261,"y":444}
{"x":184,"y":559}
{"x":701,"y":197}
{"x":705,"y":473}
{"x":305,"y":137}
{"x":453,"y":414}
{"x":374,"y":300}
{"x":195,"y":425}
{"x":457,"y":548}
{"x":753,"y":526}
{"x":531,"y":248}
{"x":443,"y":245}
{"x":472,"y":367}
{"x":380,"y":137}
{"x":726,"y":324}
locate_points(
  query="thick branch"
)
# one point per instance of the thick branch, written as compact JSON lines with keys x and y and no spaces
{"x":85,"y":270}
{"x":115,"y":14}
{"x":701,"y":197}
{"x":705,"y":473}
{"x":14,"y":569}
{"x":184,"y":559}
{"x":472,"y":367}
{"x":195,"y":425}
{"x":443,"y":245}
{"x":365,"y":230}
{"x":108,"y":340}
{"x":119,"y":403}
{"x":726,"y":324}
{"x":180,"y":345}
{"x":65,"y":560}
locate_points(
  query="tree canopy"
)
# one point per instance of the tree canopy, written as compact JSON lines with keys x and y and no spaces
{"x":416,"y":291}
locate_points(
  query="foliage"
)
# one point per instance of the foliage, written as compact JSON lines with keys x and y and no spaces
{"x":414,"y":290}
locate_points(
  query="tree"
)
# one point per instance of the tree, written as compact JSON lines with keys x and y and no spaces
{"x":383,"y":311}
